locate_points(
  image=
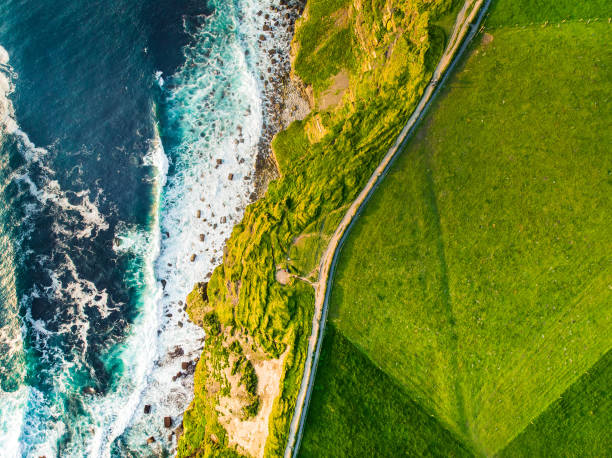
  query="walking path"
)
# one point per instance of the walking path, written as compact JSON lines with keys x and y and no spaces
{"x":466,"y":26}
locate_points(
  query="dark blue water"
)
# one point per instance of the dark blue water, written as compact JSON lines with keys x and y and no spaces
{"x":72,"y":177}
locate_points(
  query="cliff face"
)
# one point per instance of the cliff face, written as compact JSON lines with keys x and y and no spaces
{"x":365,"y":65}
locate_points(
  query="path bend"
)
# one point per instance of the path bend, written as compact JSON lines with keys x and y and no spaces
{"x":466,"y":26}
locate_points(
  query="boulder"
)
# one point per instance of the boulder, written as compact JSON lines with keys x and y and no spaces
{"x":150,"y":440}
{"x":89,"y":390}
{"x":230,"y":176}
{"x":147,"y":408}
{"x":168,"y":422}
{"x":185,"y":365}
{"x":201,"y":237}
{"x":199,"y":214}
{"x":193,"y":258}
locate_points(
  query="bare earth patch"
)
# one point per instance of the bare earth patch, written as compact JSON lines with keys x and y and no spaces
{"x":487,"y":38}
{"x":333,"y":95}
{"x":341,"y":18}
{"x":249,"y":436}
{"x":282,"y":276}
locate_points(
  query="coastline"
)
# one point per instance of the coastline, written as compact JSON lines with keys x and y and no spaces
{"x":364,"y":84}
{"x":283,"y":98}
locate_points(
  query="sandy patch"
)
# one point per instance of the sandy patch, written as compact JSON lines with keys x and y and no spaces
{"x":249,"y":436}
{"x":341,"y":18}
{"x":487,"y":38}
{"x":333,"y":95}
{"x":282,"y":276}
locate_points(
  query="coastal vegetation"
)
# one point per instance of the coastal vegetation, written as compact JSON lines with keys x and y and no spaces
{"x":365,"y":65}
{"x":477,"y":280}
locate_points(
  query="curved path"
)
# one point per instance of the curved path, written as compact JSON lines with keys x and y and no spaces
{"x":466,"y":26}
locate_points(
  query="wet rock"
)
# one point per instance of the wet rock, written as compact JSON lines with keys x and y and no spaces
{"x":185,"y":365}
{"x":178,"y":351}
{"x":223,"y":220}
{"x":201,"y":237}
{"x":89,"y":390}
{"x":262,"y":37}
{"x":151,"y":440}
{"x":180,"y":324}
{"x":163,"y":282}
{"x":230,"y":176}
{"x":219,"y":161}
{"x":147,"y":408}
{"x":168,"y":422}
{"x":199,"y":214}
{"x":193,"y":258}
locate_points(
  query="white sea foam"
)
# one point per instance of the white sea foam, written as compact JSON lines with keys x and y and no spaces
{"x":216,"y":102}
{"x":77,"y":214}
{"x":12,"y":403}
{"x":7,"y":112}
{"x":216,"y":99}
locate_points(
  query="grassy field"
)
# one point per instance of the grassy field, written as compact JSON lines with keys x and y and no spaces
{"x":478,"y":277}
{"x":578,"y":424}
{"x":352,"y":394}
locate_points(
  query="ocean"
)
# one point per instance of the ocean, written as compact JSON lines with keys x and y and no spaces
{"x":129,"y":132}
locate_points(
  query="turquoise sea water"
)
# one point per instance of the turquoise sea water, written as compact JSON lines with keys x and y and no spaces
{"x":120,"y":122}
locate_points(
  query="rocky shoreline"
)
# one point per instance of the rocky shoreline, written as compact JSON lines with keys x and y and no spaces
{"x":284,"y":96}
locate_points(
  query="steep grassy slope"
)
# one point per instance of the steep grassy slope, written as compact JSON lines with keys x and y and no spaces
{"x":375,"y":57}
{"x":479,"y":275}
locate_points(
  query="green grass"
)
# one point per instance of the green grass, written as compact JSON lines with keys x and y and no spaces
{"x":521,"y":12}
{"x":358,"y":410}
{"x":324,"y":47}
{"x":478,"y":277}
{"x":290,"y":145}
{"x":577,"y":424}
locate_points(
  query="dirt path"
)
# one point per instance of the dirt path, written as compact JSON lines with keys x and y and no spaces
{"x":466,"y":26}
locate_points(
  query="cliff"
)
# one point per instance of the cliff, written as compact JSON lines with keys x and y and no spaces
{"x":364,"y":66}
